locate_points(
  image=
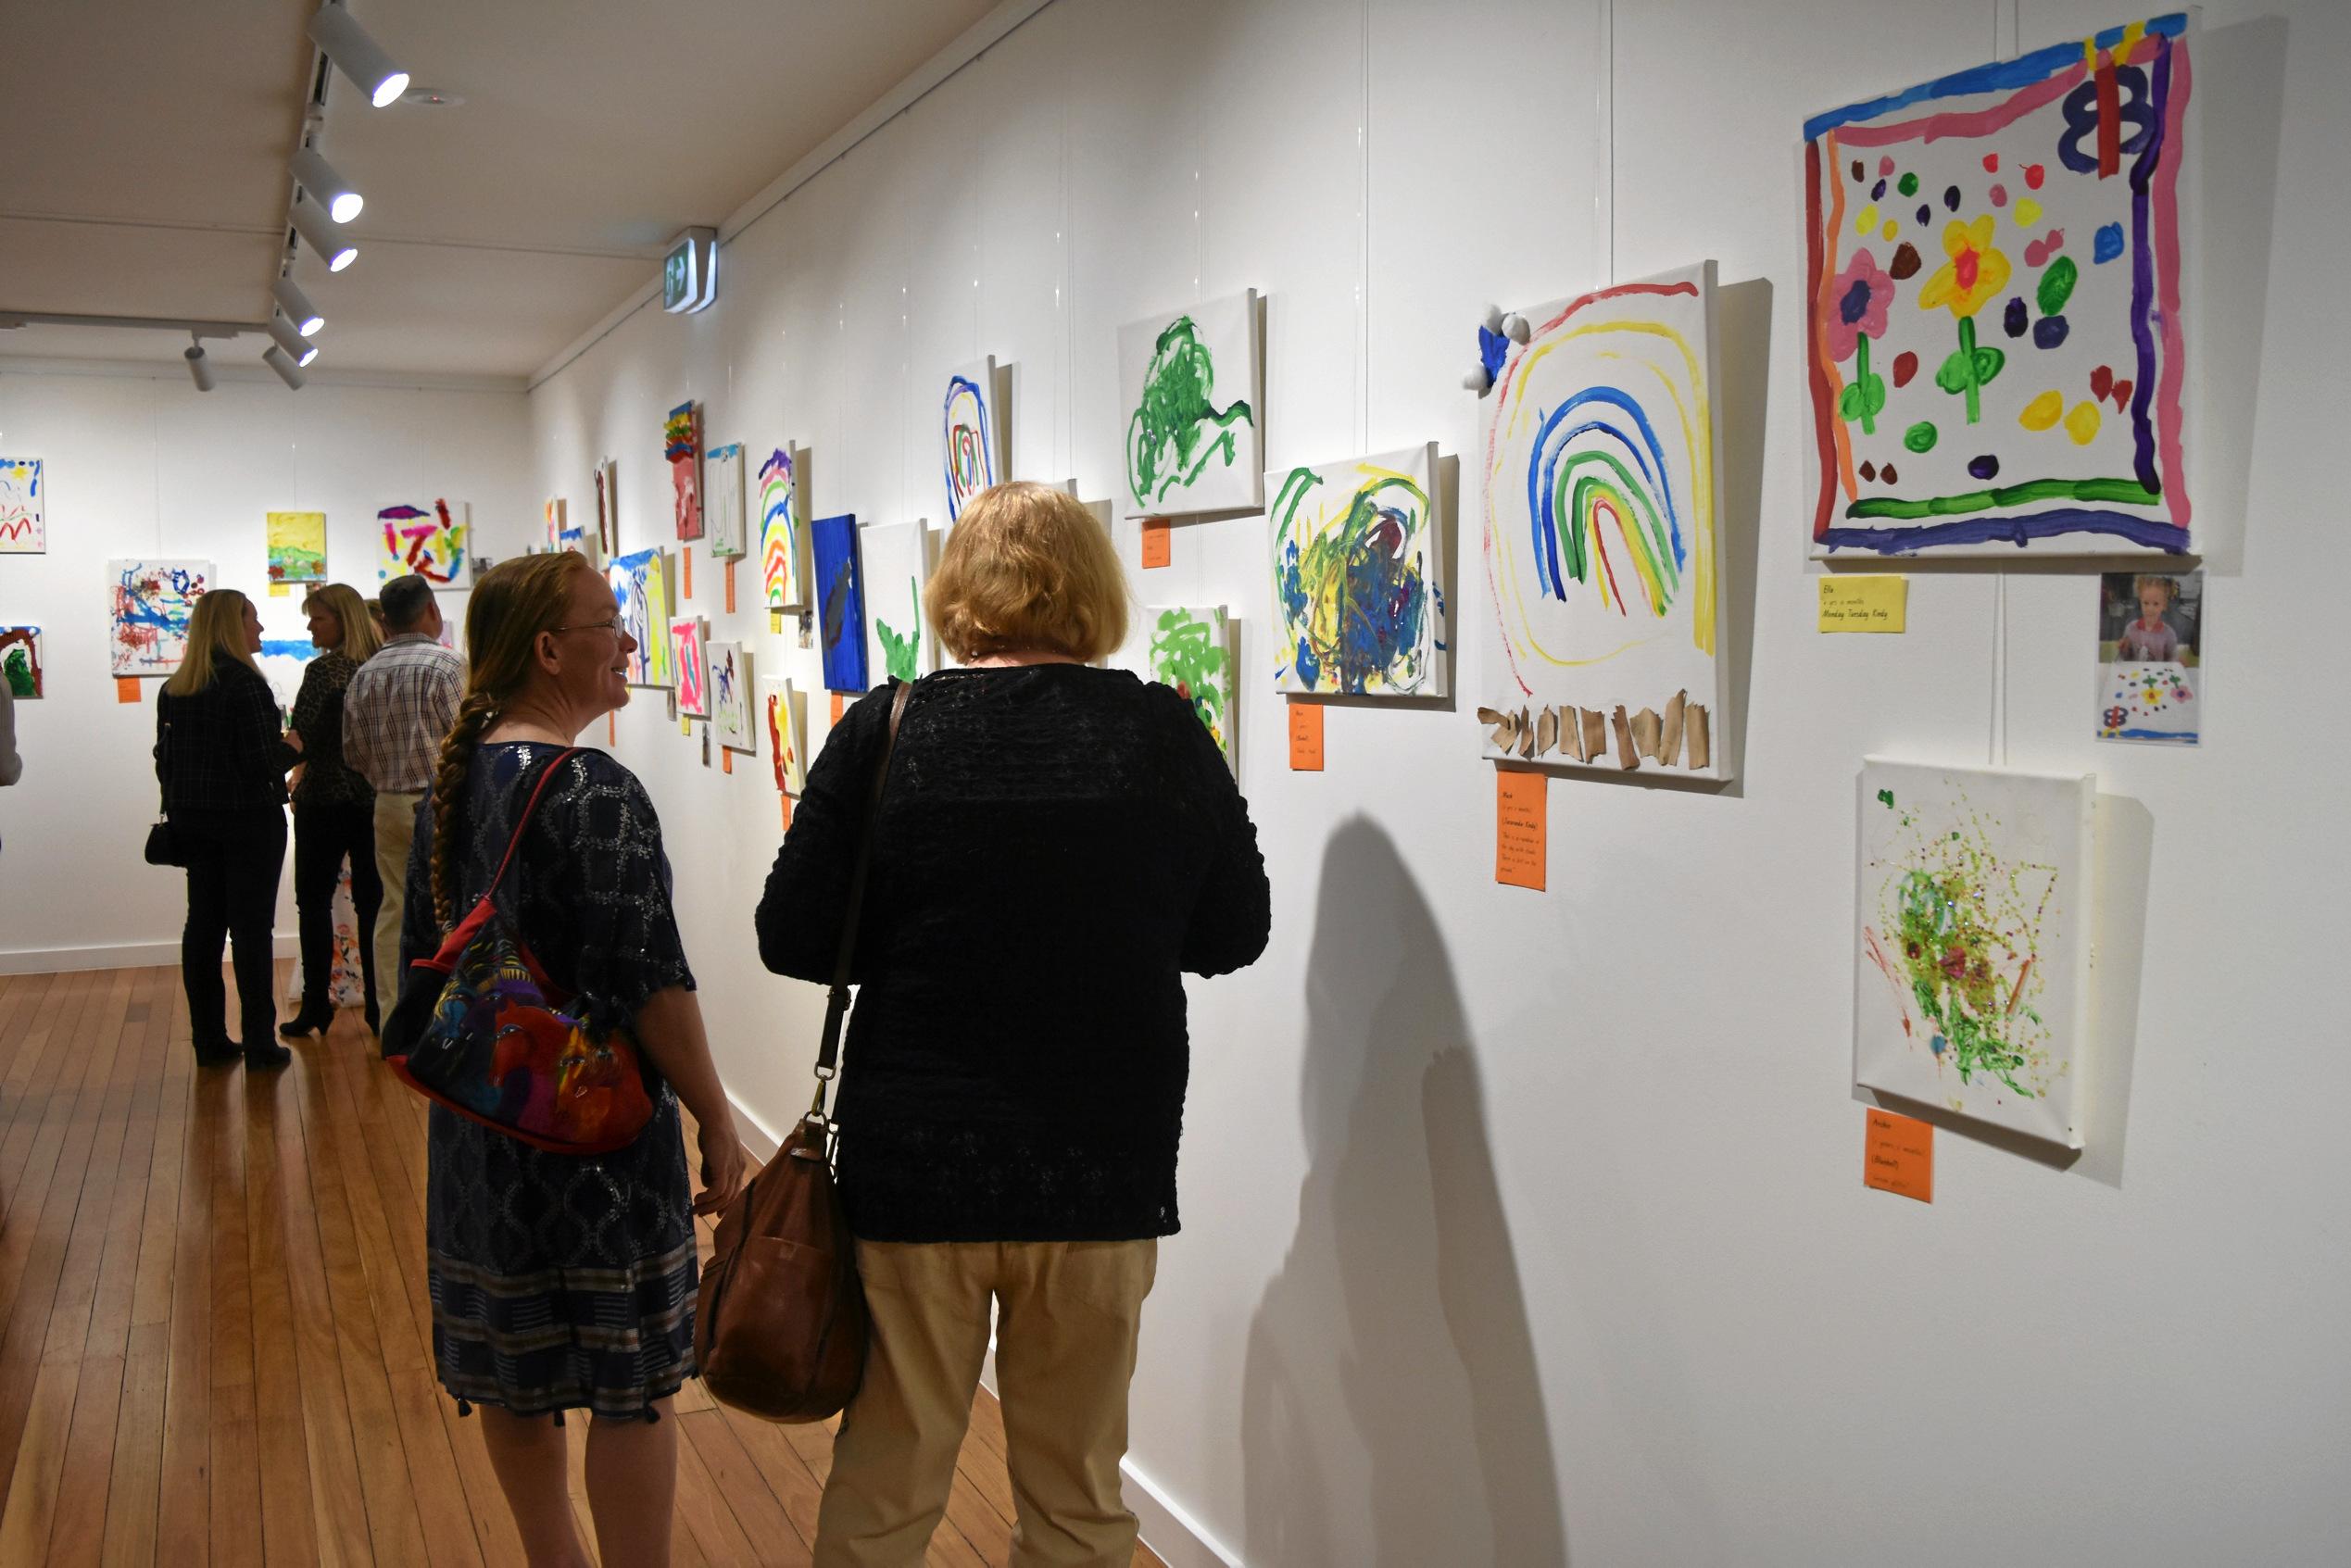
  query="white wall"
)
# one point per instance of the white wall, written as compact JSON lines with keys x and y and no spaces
{"x":1521,"y":1226}
{"x":142,"y":464}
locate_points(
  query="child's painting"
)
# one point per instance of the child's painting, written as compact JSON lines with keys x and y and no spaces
{"x":346,"y":975}
{"x":1191,"y":650}
{"x":284,"y":660}
{"x":578,"y":537}
{"x":1190,"y":384}
{"x":2150,"y":659}
{"x":1356,"y":560}
{"x":1600,"y":545}
{"x":722,"y":501}
{"x":641,"y":588}
{"x":682,"y":445}
{"x":555,"y":513}
{"x":787,"y":709}
{"x":152,"y":602}
{"x":1996,"y":316}
{"x":840,"y":602}
{"x":731,"y":720}
{"x":607,"y":511}
{"x":20,"y":660}
{"x":24,"y":529}
{"x":897,"y":565}
{"x":690,"y":658}
{"x":972,"y":438}
{"x":431,"y":545}
{"x":298,"y":545}
{"x":1972,"y":962}
{"x":782,"y":553}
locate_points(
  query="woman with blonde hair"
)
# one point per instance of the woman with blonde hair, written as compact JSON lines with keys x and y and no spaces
{"x":1054,"y":847}
{"x":222,"y":767}
{"x":333,"y":807}
{"x":566,"y":1282}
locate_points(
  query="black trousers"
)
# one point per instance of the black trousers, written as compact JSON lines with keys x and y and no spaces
{"x":234,"y":859}
{"x":324,"y":836}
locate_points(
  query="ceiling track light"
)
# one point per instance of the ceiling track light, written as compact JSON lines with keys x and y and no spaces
{"x":323,"y":185}
{"x":282,"y":332}
{"x":199,"y":367}
{"x":333,"y":249}
{"x":287,"y":372}
{"x":297,"y":307}
{"x":357,"y":55}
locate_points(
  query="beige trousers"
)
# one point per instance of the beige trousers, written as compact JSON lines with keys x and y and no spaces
{"x":1067,"y":1319}
{"x":395,"y":830}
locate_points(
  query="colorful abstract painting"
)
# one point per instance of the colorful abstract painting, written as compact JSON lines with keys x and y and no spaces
{"x":782,"y":553}
{"x":1996,"y":325}
{"x":1972,"y":960}
{"x":690,"y":658}
{"x":24,"y":527}
{"x":1599,"y":543}
{"x":432,"y":545}
{"x":722,"y":502}
{"x":1356,"y":558}
{"x":972,"y":441}
{"x":283,"y":661}
{"x":895,"y":567}
{"x":298,"y":545}
{"x":786,"y":710}
{"x":20,"y":660}
{"x":840,"y":602}
{"x":1191,"y":650}
{"x":1189,"y":387}
{"x":555,"y":512}
{"x":347,"y":974}
{"x":151,"y":603}
{"x":730,"y":718}
{"x":641,"y":589}
{"x":682,"y":447}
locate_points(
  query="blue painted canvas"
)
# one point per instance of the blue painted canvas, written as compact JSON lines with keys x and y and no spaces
{"x":840,"y":602}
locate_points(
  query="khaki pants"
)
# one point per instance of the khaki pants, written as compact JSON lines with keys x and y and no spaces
{"x":395,"y":830}
{"x":1068,"y":1316}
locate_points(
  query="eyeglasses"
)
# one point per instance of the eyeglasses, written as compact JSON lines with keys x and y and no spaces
{"x":612,"y":626}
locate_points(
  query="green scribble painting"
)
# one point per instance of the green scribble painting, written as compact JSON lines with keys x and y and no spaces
{"x":1188,"y":385}
{"x":1191,"y":650}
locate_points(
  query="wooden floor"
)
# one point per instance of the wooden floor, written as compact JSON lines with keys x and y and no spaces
{"x":217,"y":1343}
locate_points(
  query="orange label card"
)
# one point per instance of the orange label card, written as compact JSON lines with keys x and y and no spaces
{"x":727,"y":760}
{"x":730,"y":584}
{"x":1898,"y":1156}
{"x":1306,"y":737}
{"x":126,"y":688}
{"x":688,"y":554}
{"x":1522,"y":827}
{"x":1159,"y":545}
{"x":840,"y":706}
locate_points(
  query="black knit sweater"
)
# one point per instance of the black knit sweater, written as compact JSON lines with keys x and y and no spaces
{"x":1055,"y":846}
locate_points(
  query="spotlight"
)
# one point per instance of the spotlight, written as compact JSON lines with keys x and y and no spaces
{"x":282,"y":332}
{"x":323,"y":185}
{"x":336,"y":252}
{"x":298,"y":307}
{"x":199,"y":367}
{"x":287,"y":372}
{"x":357,"y":55}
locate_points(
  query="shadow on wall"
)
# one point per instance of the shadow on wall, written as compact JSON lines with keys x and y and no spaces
{"x":1391,"y":1409}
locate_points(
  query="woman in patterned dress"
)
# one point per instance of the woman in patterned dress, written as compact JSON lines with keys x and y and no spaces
{"x":566,"y":1282}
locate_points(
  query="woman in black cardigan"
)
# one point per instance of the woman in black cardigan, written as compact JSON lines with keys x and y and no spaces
{"x":1055,"y":846}
{"x":222,"y":765}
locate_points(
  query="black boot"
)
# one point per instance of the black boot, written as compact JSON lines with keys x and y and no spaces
{"x":218,"y":1052}
{"x":309,"y":1021}
{"x":264,"y":1057}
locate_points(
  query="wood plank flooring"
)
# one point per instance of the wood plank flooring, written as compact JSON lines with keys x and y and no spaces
{"x":215,"y":1332}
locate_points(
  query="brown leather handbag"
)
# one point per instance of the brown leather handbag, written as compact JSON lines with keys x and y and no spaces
{"x":780,"y":1323}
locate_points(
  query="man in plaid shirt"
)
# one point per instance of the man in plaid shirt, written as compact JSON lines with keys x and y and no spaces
{"x":399,"y":704}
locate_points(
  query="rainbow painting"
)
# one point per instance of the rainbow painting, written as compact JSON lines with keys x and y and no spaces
{"x":783,"y":572}
{"x":971,"y":439}
{"x":1600,"y":557}
{"x":1355,"y":577}
{"x":1995,"y":317}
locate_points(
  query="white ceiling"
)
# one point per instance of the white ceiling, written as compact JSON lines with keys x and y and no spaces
{"x":145,"y":159}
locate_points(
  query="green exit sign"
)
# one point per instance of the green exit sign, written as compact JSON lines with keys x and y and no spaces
{"x":689,"y":272}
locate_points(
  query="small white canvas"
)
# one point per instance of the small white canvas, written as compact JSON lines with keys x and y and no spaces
{"x":730,"y":717}
{"x":1191,"y":648}
{"x":974,"y":436}
{"x":897,"y":566}
{"x":1358,"y":594}
{"x":1974,"y":913}
{"x":1190,"y":387}
{"x":722,"y":501}
{"x":786,"y":709}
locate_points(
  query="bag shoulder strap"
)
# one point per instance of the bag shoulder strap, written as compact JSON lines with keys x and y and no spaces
{"x":828,"y":1054}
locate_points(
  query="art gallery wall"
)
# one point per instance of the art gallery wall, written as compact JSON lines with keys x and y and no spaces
{"x":142,"y":464}
{"x":1523,"y":1227}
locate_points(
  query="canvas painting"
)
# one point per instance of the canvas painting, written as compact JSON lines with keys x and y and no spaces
{"x":1600,"y":539}
{"x":152,"y":602}
{"x":782,"y":551}
{"x":840,"y":602}
{"x":20,"y":660}
{"x":722,"y":501}
{"x":298,"y":545}
{"x":607,"y":511}
{"x":24,"y":527}
{"x":432,"y":545}
{"x":1356,"y":558}
{"x":682,"y":445}
{"x":690,"y":658}
{"x":556,"y":511}
{"x":2150,"y":658}
{"x":1191,"y":650}
{"x":897,"y":565}
{"x":641,"y":588}
{"x":973,"y":443}
{"x":1190,"y":386}
{"x":1996,"y":315}
{"x":730,"y":718}
{"x":283,"y":661}
{"x":1972,"y":962}
{"x":787,"y":709}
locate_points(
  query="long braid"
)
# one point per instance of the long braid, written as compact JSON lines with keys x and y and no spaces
{"x":448,"y":791}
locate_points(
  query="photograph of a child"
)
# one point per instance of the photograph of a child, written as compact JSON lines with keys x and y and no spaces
{"x":2150,"y":661}
{"x":2150,"y":616}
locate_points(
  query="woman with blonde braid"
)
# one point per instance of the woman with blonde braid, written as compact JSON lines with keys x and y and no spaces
{"x":566,"y":1282}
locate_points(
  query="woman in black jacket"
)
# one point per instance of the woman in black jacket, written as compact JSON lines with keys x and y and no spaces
{"x":222,"y":764}
{"x":333,"y":808}
{"x":1055,"y":846}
